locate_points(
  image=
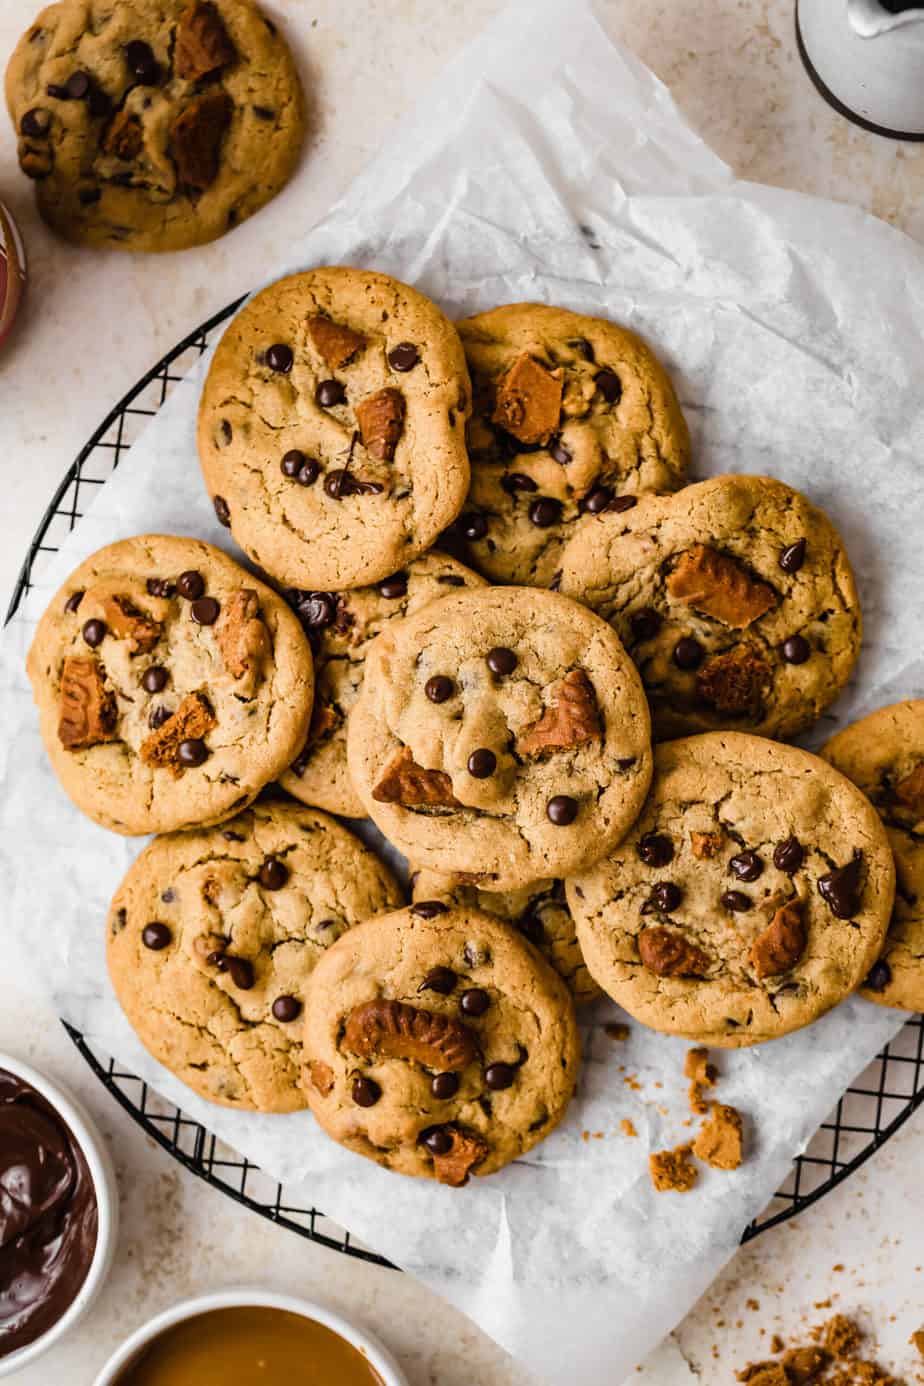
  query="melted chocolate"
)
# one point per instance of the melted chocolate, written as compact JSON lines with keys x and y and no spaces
{"x":48,"y":1215}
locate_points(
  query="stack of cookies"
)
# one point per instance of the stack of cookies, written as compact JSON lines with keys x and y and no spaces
{"x":484,"y":587}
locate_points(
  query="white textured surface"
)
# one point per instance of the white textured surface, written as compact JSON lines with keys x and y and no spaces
{"x":736,"y":75}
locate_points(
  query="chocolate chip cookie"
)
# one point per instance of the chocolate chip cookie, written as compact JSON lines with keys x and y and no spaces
{"x":332,"y":427}
{"x":341,"y":628}
{"x":572,"y":416}
{"x":213,"y":935}
{"x":735,"y":598}
{"x":501,"y":733}
{"x":171,"y":685}
{"x":154,"y":127}
{"x":884,"y":755}
{"x":752,"y":895}
{"x":438,"y":1043}
{"x":539,"y":911}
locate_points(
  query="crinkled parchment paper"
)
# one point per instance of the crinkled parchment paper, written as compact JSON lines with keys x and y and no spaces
{"x":547,"y":163}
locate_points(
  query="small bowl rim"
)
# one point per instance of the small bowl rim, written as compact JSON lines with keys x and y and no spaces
{"x":87,"y":1135}
{"x":376,"y":1354}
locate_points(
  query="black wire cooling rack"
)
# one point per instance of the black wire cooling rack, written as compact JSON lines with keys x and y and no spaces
{"x":879,"y":1102}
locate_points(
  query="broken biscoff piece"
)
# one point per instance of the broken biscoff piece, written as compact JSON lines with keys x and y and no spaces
{"x":570,"y":720}
{"x":718,"y":586}
{"x":719,"y":1142}
{"x":782,"y":943}
{"x":381,"y":419}
{"x":335,"y":343}
{"x":396,"y":1030}
{"x":702,"y":1074}
{"x":735,"y":681}
{"x":88,"y":711}
{"x":667,"y":953}
{"x":405,"y":782}
{"x":672,"y":1171}
{"x":528,"y":400}
{"x":201,"y":43}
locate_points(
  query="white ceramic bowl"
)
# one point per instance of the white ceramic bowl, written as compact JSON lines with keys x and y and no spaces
{"x":87,"y":1136}
{"x":376,"y":1355}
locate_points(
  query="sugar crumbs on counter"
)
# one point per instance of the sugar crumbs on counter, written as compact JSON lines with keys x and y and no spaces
{"x":833,"y":1358}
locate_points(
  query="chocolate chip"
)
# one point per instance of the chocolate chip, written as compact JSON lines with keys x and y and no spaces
{"x":666,"y":896}
{"x":94,"y":633}
{"x":561,"y":810}
{"x":192,"y":752}
{"x":230,"y":836}
{"x":482,"y":763}
{"x":736,"y":901}
{"x":559,"y":453}
{"x":286,"y":1009}
{"x":439,"y":979}
{"x":622,"y":504}
{"x":227,"y":433}
{"x":205,"y":611}
{"x":155,"y":936}
{"x":501,"y":661}
{"x":160,"y":587}
{"x":142,"y":63}
{"x":534,"y":929}
{"x":793,"y":556}
{"x":315,"y":609}
{"x":796,"y":650}
{"x":439,"y":688}
{"x":513,"y":482}
{"x":365,"y":1092}
{"x":655,"y":849}
{"x":499,"y":1076}
{"x":168,"y":896}
{"x":308,"y":472}
{"x":340,"y":483}
{"x":475,"y":1001}
{"x":840,"y":889}
{"x":788,"y":856}
{"x":159,"y":715}
{"x":610,"y":386}
{"x":645,"y":623}
{"x":57,"y":91}
{"x":597,"y":500}
{"x":394,"y":587}
{"x":451,"y":580}
{"x":437,"y":1140}
{"x":154,"y":679}
{"x":544,"y":512}
{"x":444,"y":1085}
{"x":73,"y":601}
{"x":292,"y":463}
{"x":747,"y":866}
{"x":688,"y":653}
{"x":222,"y":512}
{"x":273,"y":874}
{"x":880,"y":976}
{"x":190,"y":585}
{"x":473,"y":525}
{"x":240,"y":971}
{"x":279,"y":358}
{"x":329,"y":393}
{"x":429,"y":909}
{"x":77,"y":86}
{"x":35,"y":123}
{"x":88,"y":196}
{"x":403,"y":357}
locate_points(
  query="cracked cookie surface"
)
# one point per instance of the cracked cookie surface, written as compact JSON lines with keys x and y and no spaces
{"x":570,"y":414}
{"x":883,"y":755}
{"x":171,"y":685}
{"x":154,"y":126}
{"x":332,"y":427}
{"x":539,"y":911}
{"x":502,"y":733}
{"x":752,"y":895}
{"x":441,"y":1046}
{"x":735,"y":598}
{"x":213,"y":935}
{"x":341,"y":628}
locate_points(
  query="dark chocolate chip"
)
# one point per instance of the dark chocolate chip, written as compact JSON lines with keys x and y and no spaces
{"x":736,"y":901}
{"x":501,"y":660}
{"x":473,"y":525}
{"x":499,"y":1076}
{"x":444,"y":1085}
{"x":429,"y":909}
{"x":475,"y":1001}
{"x":365,"y":1092}
{"x":154,"y":679}
{"x":394,"y":587}
{"x":747,"y":866}
{"x":190,"y":585}
{"x":160,"y":587}
{"x":544,"y":512}
{"x":341,"y":483}
{"x":439,"y":979}
{"x":168,"y":896}
{"x":314,"y":609}
{"x":793,"y":556}
{"x":57,"y":91}
{"x":205,"y":611}
{"x":329,"y":393}
{"x":482,"y":763}
{"x":788,"y":856}
{"x":77,"y":86}
{"x":222,"y":512}
{"x":561,"y":810}
{"x":94,"y":633}
{"x":403,"y":357}
{"x":610,"y":386}
{"x":558,"y":452}
{"x":159,"y":715}
{"x":227,"y":432}
{"x":880,"y":976}
{"x":534,"y":929}
{"x":666,"y":896}
{"x":192,"y":752}
{"x":279,"y":358}
{"x":308,"y":472}
{"x":286,"y":1009}
{"x":35,"y":123}
{"x":597,"y":500}
{"x":437,"y":1140}
{"x":688,"y":653}
{"x":273,"y":874}
{"x":840,"y":889}
{"x":512,"y":482}
{"x":655,"y":849}
{"x":796,"y":650}
{"x":646,"y":622}
{"x":622,"y":503}
{"x":240,"y":971}
{"x":156,"y":936}
{"x":439,"y":688}
{"x":292,"y":463}
{"x":73,"y":601}
{"x":142,"y":63}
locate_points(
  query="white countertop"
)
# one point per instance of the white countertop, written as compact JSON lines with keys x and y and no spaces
{"x":94,"y":323}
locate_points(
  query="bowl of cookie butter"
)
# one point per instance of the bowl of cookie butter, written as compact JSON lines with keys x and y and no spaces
{"x":249,"y":1337}
{"x":12,"y":272}
{"x":58,"y":1213}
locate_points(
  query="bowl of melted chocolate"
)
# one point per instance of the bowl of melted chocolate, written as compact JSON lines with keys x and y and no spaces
{"x":58,"y":1206}
{"x":250,"y":1338}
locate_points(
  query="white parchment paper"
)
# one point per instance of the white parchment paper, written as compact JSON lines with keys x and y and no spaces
{"x":547,"y":163}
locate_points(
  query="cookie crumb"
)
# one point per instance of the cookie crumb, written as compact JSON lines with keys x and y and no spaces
{"x":719,"y":1142}
{"x":776,"y":1343}
{"x":627,"y":1128}
{"x":842,"y":1336}
{"x":702,"y":1075}
{"x":831,"y":1360}
{"x":752,"y":1304}
{"x":672,"y":1171}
